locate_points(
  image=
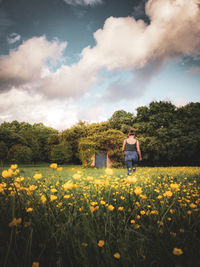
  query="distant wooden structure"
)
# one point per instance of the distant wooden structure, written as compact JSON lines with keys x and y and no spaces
{"x":101,"y":160}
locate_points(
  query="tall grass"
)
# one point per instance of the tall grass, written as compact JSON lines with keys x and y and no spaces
{"x":99,"y":217}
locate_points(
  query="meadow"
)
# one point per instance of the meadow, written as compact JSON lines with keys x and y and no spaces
{"x":67,"y":216}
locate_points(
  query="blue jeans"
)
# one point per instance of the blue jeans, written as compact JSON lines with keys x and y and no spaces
{"x":131,"y":158}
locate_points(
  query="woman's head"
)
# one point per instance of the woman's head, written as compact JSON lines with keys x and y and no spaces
{"x":131,"y":132}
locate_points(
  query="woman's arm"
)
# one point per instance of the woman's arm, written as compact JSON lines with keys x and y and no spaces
{"x":123,"y":146}
{"x":138,"y":150}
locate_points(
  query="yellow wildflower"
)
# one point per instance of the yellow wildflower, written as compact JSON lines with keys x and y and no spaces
{"x":142,"y":212}
{"x":59,"y":169}
{"x":32,"y":187}
{"x":53,"y":165}
{"x":92,"y":209}
{"x":13,"y":166}
{"x":7,"y":173}
{"x":138,"y":190}
{"x":52,"y":198}
{"x":37,"y":176}
{"x":53,"y":190}
{"x":84,"y":244}
{"x":67,"y":186}
{"x":110,"y":207}
{"x":177,"y":251}
{"x":193,"y":206}
{"x":132,"y":221}
{"x":154,"y":212}
{"x":168,"y":194}
{"x":174,"y":187}
{"x":43,"y":199}
{"x":15,"y":222}
{"x":67,"y":196}
{"x":29,"y":210}
{"x":131,"y":180}
{"x":137,"y":226}
{"x":101,"y":243}
{"x":116,"y":255}
{"x":121,"y":208}
{"x":35,"y":264}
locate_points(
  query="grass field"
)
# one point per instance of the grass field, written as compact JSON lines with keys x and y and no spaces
{"x":74,"y":216}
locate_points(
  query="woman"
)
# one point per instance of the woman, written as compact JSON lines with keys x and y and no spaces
{"x":131,"y":149}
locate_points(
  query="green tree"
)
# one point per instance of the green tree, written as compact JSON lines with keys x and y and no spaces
{"x":72,"y":137}
{"x":61,"y":153}
{"x":20,"y":154}
{"x":3,"y":152}
{"x":121,"y":120}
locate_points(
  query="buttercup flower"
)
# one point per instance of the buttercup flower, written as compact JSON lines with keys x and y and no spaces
{"x":138,"y":190}
{"x":29,"y":210}
{"x":53,"y":165}
{"x":168,"y":194}
{"x":37,"y":176}
{"x":101,"y":243}
{"x":35,"y":264}
{"x":110,"y":207}
{"x":67,"y":186}
{"x":131,"y":180}
{"x":15,"y":222}
{"x":13,"y":166}
{"x":7,"y":173}
{"x":43,"y":199}
{"x":177,"y":251}
{"x":174,"y":187}
{"x":116,"y":255}
{"x":52,"y":198}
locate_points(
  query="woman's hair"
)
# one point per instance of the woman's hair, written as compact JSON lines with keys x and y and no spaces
{"x":131,"y":132}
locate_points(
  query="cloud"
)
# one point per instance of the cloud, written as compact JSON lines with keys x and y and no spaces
{"x":21,"y":105}
{"x":94,"y":113}
{"x":83,"y":2}
{"x":133,"y":86}
{"x":180,"y":102}
{"x":13,"y":38}
{"x":126,"y":43}
{"x":24,"y":65}
{"x":122,"y":44}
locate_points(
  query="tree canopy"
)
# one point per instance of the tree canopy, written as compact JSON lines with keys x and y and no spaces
{"x":168,"y":135}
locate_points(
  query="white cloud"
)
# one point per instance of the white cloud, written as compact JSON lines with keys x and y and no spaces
{"x":94,"y":113}
{"x":180,"y":102}
{"x":13,"y":38}
{"x":83,"y":2}
{"x":122,"y":44}
{"x":24,"y":65}
{"x":33,"y":108}
{"x":127,"y":43}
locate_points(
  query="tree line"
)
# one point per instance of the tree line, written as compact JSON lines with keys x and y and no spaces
{"x":168,"y":135}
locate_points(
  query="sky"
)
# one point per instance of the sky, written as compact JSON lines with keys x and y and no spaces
{"x":65,"y":61}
